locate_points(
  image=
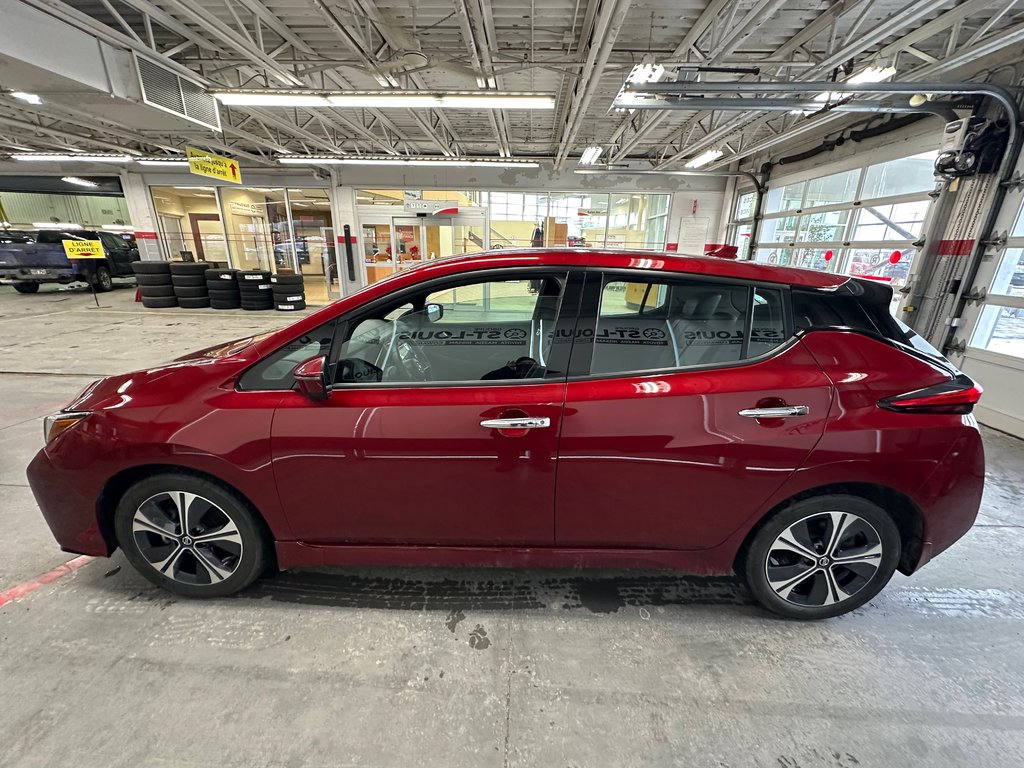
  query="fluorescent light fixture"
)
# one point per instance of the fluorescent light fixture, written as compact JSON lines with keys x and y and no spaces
{"x":196,"y":189}
{"x":590,"y":155}
{"x":55,"y":225}
{"x":704,"y":158}
{"x":439,"y":162}
{"x":78,"y":181}
{"x":645,"y":73}
{"x":163,"y":161}
{"x":31,"y":98}
{"x":118,"y":227}
{"x":76,"y":158}
{"x":869,"y":75}
{"x":388,"y":99}
{"x":872,"y":75}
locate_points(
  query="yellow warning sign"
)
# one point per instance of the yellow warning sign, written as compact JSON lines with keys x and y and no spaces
{"x":83,"y":249}
{"x":203,"y":163}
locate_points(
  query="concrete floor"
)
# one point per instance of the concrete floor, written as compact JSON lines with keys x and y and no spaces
{"x":390,"y":667}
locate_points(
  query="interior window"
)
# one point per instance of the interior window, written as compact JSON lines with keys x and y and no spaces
{"x":476,"y":331}
{"x":274,"y":372}
{"x":673,"y":324}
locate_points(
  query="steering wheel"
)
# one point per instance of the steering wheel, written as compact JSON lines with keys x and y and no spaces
{"x":410,"y":361}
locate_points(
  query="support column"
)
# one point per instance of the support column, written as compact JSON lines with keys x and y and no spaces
{"x":140,"y":208}
{"x":343,"y":211}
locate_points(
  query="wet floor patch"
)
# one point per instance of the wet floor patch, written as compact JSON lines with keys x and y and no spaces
{"x":495,"y":592}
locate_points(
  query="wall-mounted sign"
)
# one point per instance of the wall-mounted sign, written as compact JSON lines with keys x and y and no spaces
{"x":83,"y":249}
{"x":203,"y":163}
{"x":430,"y":206}
{"x":245,"y":209}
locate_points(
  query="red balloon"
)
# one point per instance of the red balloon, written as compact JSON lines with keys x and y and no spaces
{"x":894,"y":257}
{"x":828,"y":255}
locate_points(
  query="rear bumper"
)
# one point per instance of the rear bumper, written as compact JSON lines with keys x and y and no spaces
{"x":72,"y":517}
{"x":951,"y":496}
{"x":37,"y":275}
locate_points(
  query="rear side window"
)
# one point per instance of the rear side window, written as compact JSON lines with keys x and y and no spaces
{"x":653,"y":325}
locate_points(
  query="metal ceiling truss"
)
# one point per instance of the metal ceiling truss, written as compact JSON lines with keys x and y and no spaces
{"x":580,"y":50}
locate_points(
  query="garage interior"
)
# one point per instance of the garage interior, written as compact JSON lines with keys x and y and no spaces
{"x":868,"y":138}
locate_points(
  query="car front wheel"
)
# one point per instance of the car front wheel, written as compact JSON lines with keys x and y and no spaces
{"x":190,"y":535}
{"x":822,"y":557}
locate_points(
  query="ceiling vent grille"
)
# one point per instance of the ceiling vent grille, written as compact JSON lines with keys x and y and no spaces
{"x":165,"y":89}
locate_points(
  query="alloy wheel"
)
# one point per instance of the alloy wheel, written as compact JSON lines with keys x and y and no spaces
{"x":823,"y":559}
{"x":187,"y":538}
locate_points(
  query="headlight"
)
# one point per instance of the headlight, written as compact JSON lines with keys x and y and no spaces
{"x":59,"y":423}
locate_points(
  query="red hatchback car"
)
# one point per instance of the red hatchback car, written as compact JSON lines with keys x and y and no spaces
{"x":539,"y":408}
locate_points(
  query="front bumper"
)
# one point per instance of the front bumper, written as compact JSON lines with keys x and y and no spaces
{"x":72,"y":517}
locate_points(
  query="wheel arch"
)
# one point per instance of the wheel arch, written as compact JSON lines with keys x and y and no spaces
{"x":118,"y":485}
{"x":899,"y":506}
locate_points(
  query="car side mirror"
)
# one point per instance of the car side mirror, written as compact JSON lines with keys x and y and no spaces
{"x":433,"y":312}
{"x":311,"y":377}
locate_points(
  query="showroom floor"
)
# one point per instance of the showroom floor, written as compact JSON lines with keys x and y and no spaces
{"x":390,"y":667}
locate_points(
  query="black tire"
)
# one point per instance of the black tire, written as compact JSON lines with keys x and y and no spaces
{"x":248,"y":276}
{"x":286,"y":279}
{"x":256,"y":305}
{"x":189,"y":268}
{"x":221,"y":275}
{"x":185,"y":292}
{"x":151,"y":268}
{"x":297,"y":294}
{"x":213,"y":508}
{"x":153,"y":279}
{"x":259,"y":292}
{"x":293,"y":306}
{"x":161,"y":302}
{"x":26,"y":287}
{"x":224,"y":295}
{"x":196,"y":302}
{"x":156,"y":291}
{"x":809,"y":525}
{"x":188,"y":281}
{"x":101,"y":279}
{"x":225,"y":303}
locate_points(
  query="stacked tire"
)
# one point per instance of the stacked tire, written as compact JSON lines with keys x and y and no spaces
{"x":155,"y":286}
{"x":222,"y":285}
{"x":255,"y":289}
{"x":289,"y":292}
{"x":189,"y":279}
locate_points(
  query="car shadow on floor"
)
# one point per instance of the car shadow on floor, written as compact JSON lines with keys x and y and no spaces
{"x":447,"y":589}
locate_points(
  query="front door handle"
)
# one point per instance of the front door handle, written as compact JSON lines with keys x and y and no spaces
{"x":778,"y":412}
{"x":522,"y":422}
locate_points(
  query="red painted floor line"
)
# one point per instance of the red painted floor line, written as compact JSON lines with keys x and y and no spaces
{"x":25,"y":588}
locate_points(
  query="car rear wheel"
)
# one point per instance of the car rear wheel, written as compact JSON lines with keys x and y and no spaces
{"x":26,"y":287}
{"x":101,"y":279}
{"x":822,"y":557}
{"x":190,"y":536}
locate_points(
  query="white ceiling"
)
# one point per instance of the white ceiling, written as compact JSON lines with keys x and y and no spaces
{"x":577,"y":50}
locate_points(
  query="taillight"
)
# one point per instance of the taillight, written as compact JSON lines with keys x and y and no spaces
{"x":956,"y":396}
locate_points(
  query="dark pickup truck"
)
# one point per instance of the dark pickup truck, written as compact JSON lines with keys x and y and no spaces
{"x":28,"y":259}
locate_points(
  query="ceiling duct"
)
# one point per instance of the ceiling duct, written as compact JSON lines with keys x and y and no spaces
{"x":165,"y":89}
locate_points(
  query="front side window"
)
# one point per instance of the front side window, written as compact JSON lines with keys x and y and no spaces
{"x":653,"y":325}
{"x":485,"y":330}
{"x":274,"y":372}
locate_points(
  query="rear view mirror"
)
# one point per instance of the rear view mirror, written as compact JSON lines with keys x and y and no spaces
{"x":311,"y":377}
{"x":433,"y":312}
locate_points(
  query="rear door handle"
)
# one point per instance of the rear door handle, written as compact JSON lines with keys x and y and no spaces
{"x":778,"y":412}
{"x":518,"y":423}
